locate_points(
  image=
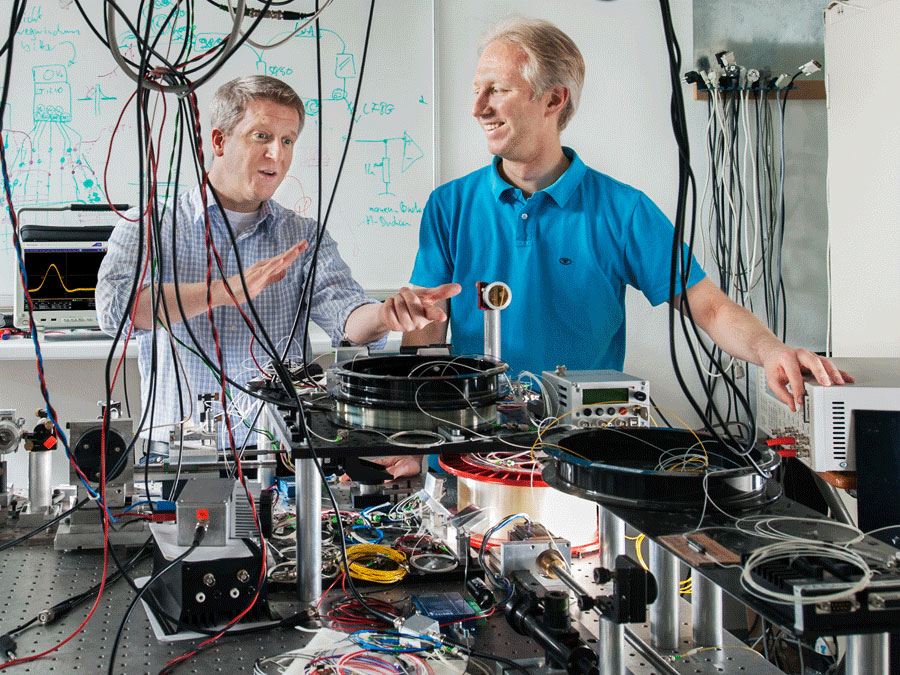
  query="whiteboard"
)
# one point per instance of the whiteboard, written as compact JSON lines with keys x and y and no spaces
{"x":67,"y":94}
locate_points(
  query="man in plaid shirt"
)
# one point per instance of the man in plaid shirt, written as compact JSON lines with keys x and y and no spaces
{"x":255,"y":123}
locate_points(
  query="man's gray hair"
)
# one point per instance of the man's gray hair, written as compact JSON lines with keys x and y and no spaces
{"x":552,"y":58}
{"x":230,"y":100}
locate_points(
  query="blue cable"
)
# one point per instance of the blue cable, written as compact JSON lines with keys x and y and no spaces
{"x":135,"y":505}
{"x":40,"y":359}
{"x":364,"y":514}
{"x":393,"y":636}
{"x":370,"y":528}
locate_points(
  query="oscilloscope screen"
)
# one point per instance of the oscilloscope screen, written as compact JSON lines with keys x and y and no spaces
{"x":63,"y":279}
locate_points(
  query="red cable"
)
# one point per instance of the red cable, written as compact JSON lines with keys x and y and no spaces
{"x":475,"y":541}
{"x":104,"y":516}
{"x":104,"y":428}
{"x":208,"y":237}
{"x":253,"y":356}
{"x":106,"y":165}
{"x":469,"y":618}
{"x":34,"y":657}
{"x":328,"y":590}
{"x":155,"y":164}
{"x":105,"y":423}
{"x":202,"y":54}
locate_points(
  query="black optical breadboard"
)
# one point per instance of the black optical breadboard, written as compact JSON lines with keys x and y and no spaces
{"x":446,"y":608}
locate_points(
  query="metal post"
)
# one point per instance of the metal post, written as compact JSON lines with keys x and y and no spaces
{"x":492,"y":333}
{"x":665,"y":630}
{"x":867,"y":654}
{"x":309,"y":532}
{"x":266,"y":476}
{"x":706,"y":611}
{"x":610,"y":645}
{"x":40,"y":490}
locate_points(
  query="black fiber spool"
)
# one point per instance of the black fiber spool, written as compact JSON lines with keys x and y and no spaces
{"x":620,"y":467}
{"x":402,"y":381}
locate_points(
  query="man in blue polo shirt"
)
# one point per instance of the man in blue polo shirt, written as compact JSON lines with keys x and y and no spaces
{"x":566,"y":238}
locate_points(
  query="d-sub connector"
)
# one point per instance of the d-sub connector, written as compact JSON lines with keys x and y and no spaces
{"x":880,"y":602}
{"x":837,"y":606}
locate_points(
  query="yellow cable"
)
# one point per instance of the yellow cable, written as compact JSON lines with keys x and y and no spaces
{"x":356,"y":555}
{"x":637,"y":549}
{"x":553,"y":422}
{"x":685,"y":425}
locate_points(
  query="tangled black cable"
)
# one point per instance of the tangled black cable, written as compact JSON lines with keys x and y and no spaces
{"x":713,"y":419}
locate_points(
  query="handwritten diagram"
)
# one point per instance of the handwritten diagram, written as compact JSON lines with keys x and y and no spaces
{"x":96,"y":96}
{"x":67,"y":95}
{"x":48,"y":166}
{"x":410,"y":153}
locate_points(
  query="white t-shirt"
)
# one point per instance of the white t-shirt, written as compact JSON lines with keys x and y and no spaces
{"x":241,"y":222}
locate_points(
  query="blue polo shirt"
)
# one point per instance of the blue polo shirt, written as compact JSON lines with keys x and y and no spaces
{"x":567,"y":253}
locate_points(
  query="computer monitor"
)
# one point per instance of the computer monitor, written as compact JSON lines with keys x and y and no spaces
{"x":62,"y":277}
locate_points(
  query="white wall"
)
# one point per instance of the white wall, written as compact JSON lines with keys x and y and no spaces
{"x":623,"y":129}
{"x":863,"y":173}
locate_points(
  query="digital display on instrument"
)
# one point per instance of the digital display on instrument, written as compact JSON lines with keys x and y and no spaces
{"x":62,"y":279}
{"x":593,"y":396}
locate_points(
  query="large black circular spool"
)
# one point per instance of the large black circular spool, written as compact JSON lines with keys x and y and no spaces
{"x":619,"y":467}
{"x":87,"y":450}
{"x":390,"y":392}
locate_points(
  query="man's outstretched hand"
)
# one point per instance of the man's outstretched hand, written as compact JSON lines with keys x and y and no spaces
{"x":413,"y":309}
{"x":264,"y":273}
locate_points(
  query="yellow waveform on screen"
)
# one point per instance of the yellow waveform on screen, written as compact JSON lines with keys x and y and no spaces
{"x":61,"y":282}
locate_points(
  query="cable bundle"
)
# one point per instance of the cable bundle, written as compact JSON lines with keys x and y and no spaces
{"x":744,"y":197}
{"x":794,"y":549}
{"x":416,"y":544}
{"x":716,"y":421}
{"x":376,"y":563}
{"x":351,"y":614}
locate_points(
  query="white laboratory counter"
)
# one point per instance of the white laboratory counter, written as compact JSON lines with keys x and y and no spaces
{"x":86,"y":345}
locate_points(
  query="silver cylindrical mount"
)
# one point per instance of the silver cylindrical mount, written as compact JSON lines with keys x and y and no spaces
{"x":40,"y":489}
{"x":309,"y":532}
{"x":265,"y":474}
{"x":706,"y":612}
{"x":610,"y":646}
{"x":492,"y":333}
{"x":495,"y":297}
{"x":664,"y":622}
{"x":867,"y":654}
